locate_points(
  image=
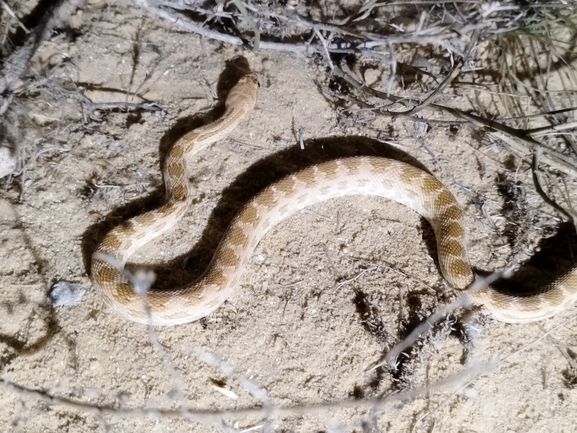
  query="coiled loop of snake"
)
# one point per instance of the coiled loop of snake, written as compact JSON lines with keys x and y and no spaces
{"x":382,"y":177}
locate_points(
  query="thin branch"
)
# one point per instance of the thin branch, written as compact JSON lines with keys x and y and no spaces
{"x":376,"y":405}
{"x":440,"y":88}
{"x":441,"y":312}
{"x":212,"y":34}
{"x":10,"y":12}
{"x":17,"y":63}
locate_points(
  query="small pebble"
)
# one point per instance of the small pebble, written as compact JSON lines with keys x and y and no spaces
{"x":8,"y":162}
{"x":65,"y":293}
{"x":267,"y":64}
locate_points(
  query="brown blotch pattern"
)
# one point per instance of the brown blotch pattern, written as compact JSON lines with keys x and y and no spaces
{"x":329,"y":169}
{"x":227,"y":257}
{"x":215,"y":277}
{"x":286,"y":185}
{"x":454,"y":230}
{"x":378,"y":164}
{"x":307,"y":176}
{"x":176,"y":170}
{"x":351,"y":165}
{"x":483,"y":291}
{"x":177,"y":151}
{"x":237,"y":237}
{"x":166,"y":209}
{"x":179,"y":192}
{"x":530,"y":303}
{"x":570,"y":282}
{"x":125,"y":292}
{"x":453,"y":213}
{"x":249,"y":215}
{"x":500,"y":300}
{"x":409,"y":173}
{"x":451,"y":247}
{"x":460,"y":269}
{"x":111,"y":241}
{"x":443,"y":199}
{"x":553,"y":297}
{"x":266,"y":199}
{"x":125,"y":228}
{"x":102,"y":271}
{"x":430,"y":184}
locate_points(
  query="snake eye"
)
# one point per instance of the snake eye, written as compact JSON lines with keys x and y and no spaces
{"x":251,"y":77}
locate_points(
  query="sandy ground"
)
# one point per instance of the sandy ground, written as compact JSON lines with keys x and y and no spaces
{"x":327,"y":292}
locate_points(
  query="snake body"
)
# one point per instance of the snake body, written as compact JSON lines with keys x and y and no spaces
{"x":368,"y":175}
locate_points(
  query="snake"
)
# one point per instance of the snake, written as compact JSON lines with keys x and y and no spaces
{"x":359,"y":175}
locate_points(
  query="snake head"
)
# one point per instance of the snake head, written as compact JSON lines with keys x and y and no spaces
{"x":244,"y":93}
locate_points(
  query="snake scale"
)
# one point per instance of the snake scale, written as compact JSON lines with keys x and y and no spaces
{"x":368,"y":175}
